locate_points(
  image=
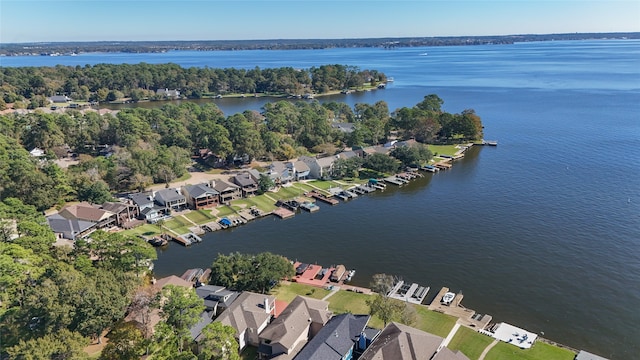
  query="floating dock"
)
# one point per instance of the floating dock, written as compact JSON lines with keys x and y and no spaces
{"x":283,"y":213}
{"x":309,"y":206}
{"x":413,"y":293}
{"x":444,"y":304}
{"x":394,"y":181}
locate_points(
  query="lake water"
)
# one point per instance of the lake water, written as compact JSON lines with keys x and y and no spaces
{"x":542,"y":231}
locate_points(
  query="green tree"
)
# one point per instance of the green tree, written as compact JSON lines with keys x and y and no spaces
{"x":381,"y":163}
{"x":386,"y":308}
{"x":265,"y":183}
{"x":125,"y":343}
{"x":417,"y":154}
{"x":346,"y":167}
{"x":62,"y":344}
{"x":245,"y":272}
{"x":180,"y":310}
{"x":218,"y":343}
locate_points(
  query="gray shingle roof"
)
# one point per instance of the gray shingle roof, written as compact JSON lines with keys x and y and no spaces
{"x":68,"y":227}
{"x":401,"y":342}
{"x":165,"y":196}
{"x":335,"y":339}
{"x":199,"y":190}
{"x":247,"y":311}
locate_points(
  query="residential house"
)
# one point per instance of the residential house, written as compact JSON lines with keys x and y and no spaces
{"x":125,"y":212}
{"x":201,"y":196}
{"x":71,"y":229}
{"x":348,"y":154}
{"x":377,"y":149}
{"x":280,"y":173}
{"x":170,"y":199}
{"x":87,"y":212}
{"x":319,"y":168}
{"x":402,"y":342}
{"x":168,"y":93}
{"x":147,"y":208}
{"x":37,"y":152}
{"x":300,"y":169}
{"x":227,"y":191}
{"x":248,"y":186}
{"x":346,"y":128}
{"x":337,"y":339}
{"x":59,"y":99}
{"x":216,"y":298}
{"x":300,"y":321}
{"x":249,"y":314}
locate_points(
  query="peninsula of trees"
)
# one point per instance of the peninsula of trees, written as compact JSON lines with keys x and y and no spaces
{"x":108,"y":82}
{"x":138,"y":147}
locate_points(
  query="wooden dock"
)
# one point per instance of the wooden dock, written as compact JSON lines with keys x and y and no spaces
{"x":316,"y":195}
{"x":283,"y":213}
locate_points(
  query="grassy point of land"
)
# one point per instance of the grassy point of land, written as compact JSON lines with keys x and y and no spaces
{"x":539,"y":351}
{"x":469,"y":342}
{"x":443,"y":149}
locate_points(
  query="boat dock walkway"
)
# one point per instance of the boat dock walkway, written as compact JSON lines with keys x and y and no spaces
{"x":318,"y":196}
{"x":467,"y":317}
{"x":412,"y":293}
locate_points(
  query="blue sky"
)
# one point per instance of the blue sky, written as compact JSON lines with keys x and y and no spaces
{"x":95,"y":20}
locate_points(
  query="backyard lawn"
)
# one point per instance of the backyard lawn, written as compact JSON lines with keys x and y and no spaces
{"x":200,"y":216}
{"x":443,"y":149}
{"x":539,"y":351}
{"x":434,"y":322}
{"x":144,"y":230}
{"x":355,"y":303}
{"x":223,"y":210}
{"x":288,"y":291}
{"x":470,"y":342}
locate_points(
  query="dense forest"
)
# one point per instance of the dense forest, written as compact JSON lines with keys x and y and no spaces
{"x":138,"y":147}
{"x":108,"y":82}
{"x":290,"y":44}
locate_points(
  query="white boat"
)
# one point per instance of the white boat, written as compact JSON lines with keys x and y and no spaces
{"x":448,"y":298}
{"x":350,"y":275}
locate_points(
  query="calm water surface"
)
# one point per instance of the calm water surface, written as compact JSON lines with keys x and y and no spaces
{"x":542,"y":231}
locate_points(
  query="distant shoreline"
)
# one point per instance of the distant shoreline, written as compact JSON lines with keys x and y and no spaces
{"x":74,"y":48}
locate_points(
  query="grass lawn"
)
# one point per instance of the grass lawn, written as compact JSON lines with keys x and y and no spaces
{"x":176,"y":226}
{"x":286,"y":193}
{"x":288,"y":292}
{"x":355,"y":303}
{"x":304,"y":187}
{"x":434,"y":322}
{"x":324,"y":185}
{"x":224,"y":210}
{"x":470,"y":342}
{"x":539,"y":351}
{"x":200,"y":216}
{"x":443,"y":149}
{"x":181,"y":219}
{"x":145,"y":230}
{"x":261,"y":202}
{"x":185,"y":176}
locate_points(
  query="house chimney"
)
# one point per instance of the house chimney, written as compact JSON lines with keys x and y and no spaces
{"x":267,"y":307}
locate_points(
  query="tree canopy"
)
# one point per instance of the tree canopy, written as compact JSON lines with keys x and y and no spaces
{"x":246,"y":272}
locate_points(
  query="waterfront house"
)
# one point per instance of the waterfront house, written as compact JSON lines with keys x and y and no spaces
{"x":201,"y":196}
{"x":247,"y":184}
{"x":226,"y":190}
{"x":170,"y":199}
{"x":300,"y":170}
{"x":249,"y":315}
{"x":168,"y":93}
{"x":319,"y":168}
{"x":125,"y":212}
{"x":280,"y":173}
{"x":216,"y":298}
{"x":59,"y":99}
{"x":87,"y":212}
{"x":37,"y":152}
{"x":401,"y":342}
{"x":142,"y":200}
{"x":300,"y":321}
{"x":337,"y":339}
{"x":346,"y":128}
{"x":70,"y":229}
